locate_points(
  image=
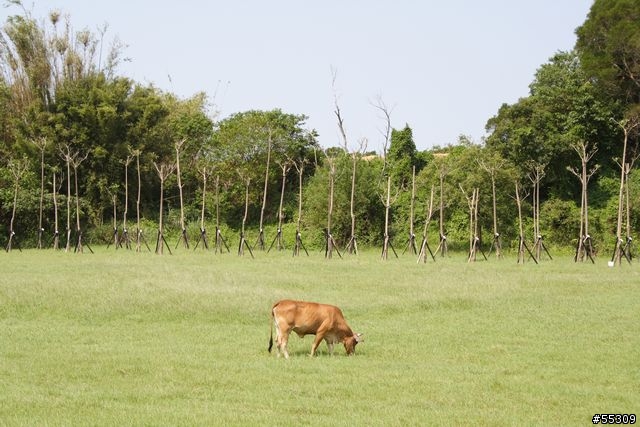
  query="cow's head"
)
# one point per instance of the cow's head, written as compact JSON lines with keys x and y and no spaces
{"x":350,"y":343}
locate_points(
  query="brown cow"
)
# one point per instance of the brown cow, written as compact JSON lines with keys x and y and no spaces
{"x":310,"y":318}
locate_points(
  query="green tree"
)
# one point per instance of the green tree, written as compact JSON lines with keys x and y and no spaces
{"x":402,"y":156}
{"x":609,"y":47}
{"x":563,"y":107}
{"x":240,"y":145}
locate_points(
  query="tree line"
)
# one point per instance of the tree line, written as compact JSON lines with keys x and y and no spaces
{"x":81,"y":145}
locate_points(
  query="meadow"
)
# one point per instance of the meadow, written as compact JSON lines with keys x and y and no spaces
{"x":125,"y":338}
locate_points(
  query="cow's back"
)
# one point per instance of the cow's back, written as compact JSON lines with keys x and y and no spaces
{"x":307,"y":317}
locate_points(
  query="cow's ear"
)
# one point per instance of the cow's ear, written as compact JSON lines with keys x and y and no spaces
{"x":359,"y":338}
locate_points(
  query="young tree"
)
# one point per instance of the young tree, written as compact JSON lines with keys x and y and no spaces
{"x":388,"y":199}
{"x":203,"y":169}
{"x":219,"y":238}
{"x":299,"y":165}
{"x":164,"y":170}
{"x":330,"y":243}
{"x":285,"y":166}
{"x":424,"y":246}
{"x":535,"y":176}
{"x":76,"y":160}
{"x":443,"y":170}
{"x":260,"y":242}
{"x":492,"y":164}
{"x":352,"y":244}
{"x":584,"y":247}
{"x":411,"y":242}
{"x":18,"y":168}
{"x":125,"y":231}
{"x":56,"y":231}
{"x":183,"y":235}
{"x":41,"y":143}
{"x":474,"y":240}
{"x":243,"y":241}
{"x":629,"y":126}
{"x":522,"y":244}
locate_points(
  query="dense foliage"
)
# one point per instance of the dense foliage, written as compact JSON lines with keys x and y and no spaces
{"x":62,"y":101}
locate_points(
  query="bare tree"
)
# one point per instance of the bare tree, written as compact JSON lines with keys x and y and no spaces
{"x":387,"y":200}
{"x":56,"y":231}
{"x":65,"y":153}
{"x":124,"y":238}
{"x":75,"y":162}
{"x":260,"y":241}
{"x":203,"y":169}
{"x":424,"y":246}
{"x":299,"y":165}
{"x":584,"y":248}
{"x":330,"y":243}
{"x":139,"y":234}
{"x":386,"y":244}
{"x":474,"y":239}
{"x":183,"y":235}
{"x":634,"y":156}
{"x":41,"y":143}
{"x":522,"y":244}
{"x":536,"y":177}
{"x":114,"y":202}
{"x":443,"y":170}
{"x":73,"y":159}
{"x":352,"y":244}
{"x":492,"y":167}
{"x":243,"y":240}
{"x":164,"y":170}
{"x":629,"y":127}
{"x":219,"y":238}
{"x":411,"y":241}
{"x":285,"y":166}
{"x":18,"y":168}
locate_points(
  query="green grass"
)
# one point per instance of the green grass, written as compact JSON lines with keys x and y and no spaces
{"x":119,"y":338}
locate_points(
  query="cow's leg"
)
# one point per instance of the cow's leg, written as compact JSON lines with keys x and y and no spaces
{"x":316,"y":342}
{"x":282,"y":343}
{"x":282,"y":337}
{"x":329,"y":346}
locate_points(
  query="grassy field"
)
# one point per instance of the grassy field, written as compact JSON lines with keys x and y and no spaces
{"x":119,"y":338}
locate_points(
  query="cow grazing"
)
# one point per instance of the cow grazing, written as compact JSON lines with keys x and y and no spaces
{"x":324,"y":321}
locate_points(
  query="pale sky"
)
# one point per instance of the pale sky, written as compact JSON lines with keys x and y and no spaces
{"x":444,"y":67}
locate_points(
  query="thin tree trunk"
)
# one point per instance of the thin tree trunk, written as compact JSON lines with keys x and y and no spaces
{"x":299,"y":245}
{"x":412,"y":234}
{"x":183,"y":235}
{"x":260,"y":242}
{"x":125,"y":231}
{"x":330,"y":242}
{"x":56,"y":231}
{"x":521,"y":247}
{"x":42,"y":146}
{"x":387,"y":206}
{"x":280,"y":241}
{"x":425,"y":244}
{"x":13,"y":211}
{"x":68,"y":245}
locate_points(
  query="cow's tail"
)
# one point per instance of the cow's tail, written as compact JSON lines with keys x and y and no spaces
{"x":271,"y":334}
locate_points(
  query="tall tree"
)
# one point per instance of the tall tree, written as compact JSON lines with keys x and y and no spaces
{"x":586,"y":152}
{"x":242,"y":141}
{"x":609,"y":46}
{"x":563,"y":107}
{"x":403,"y":156}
